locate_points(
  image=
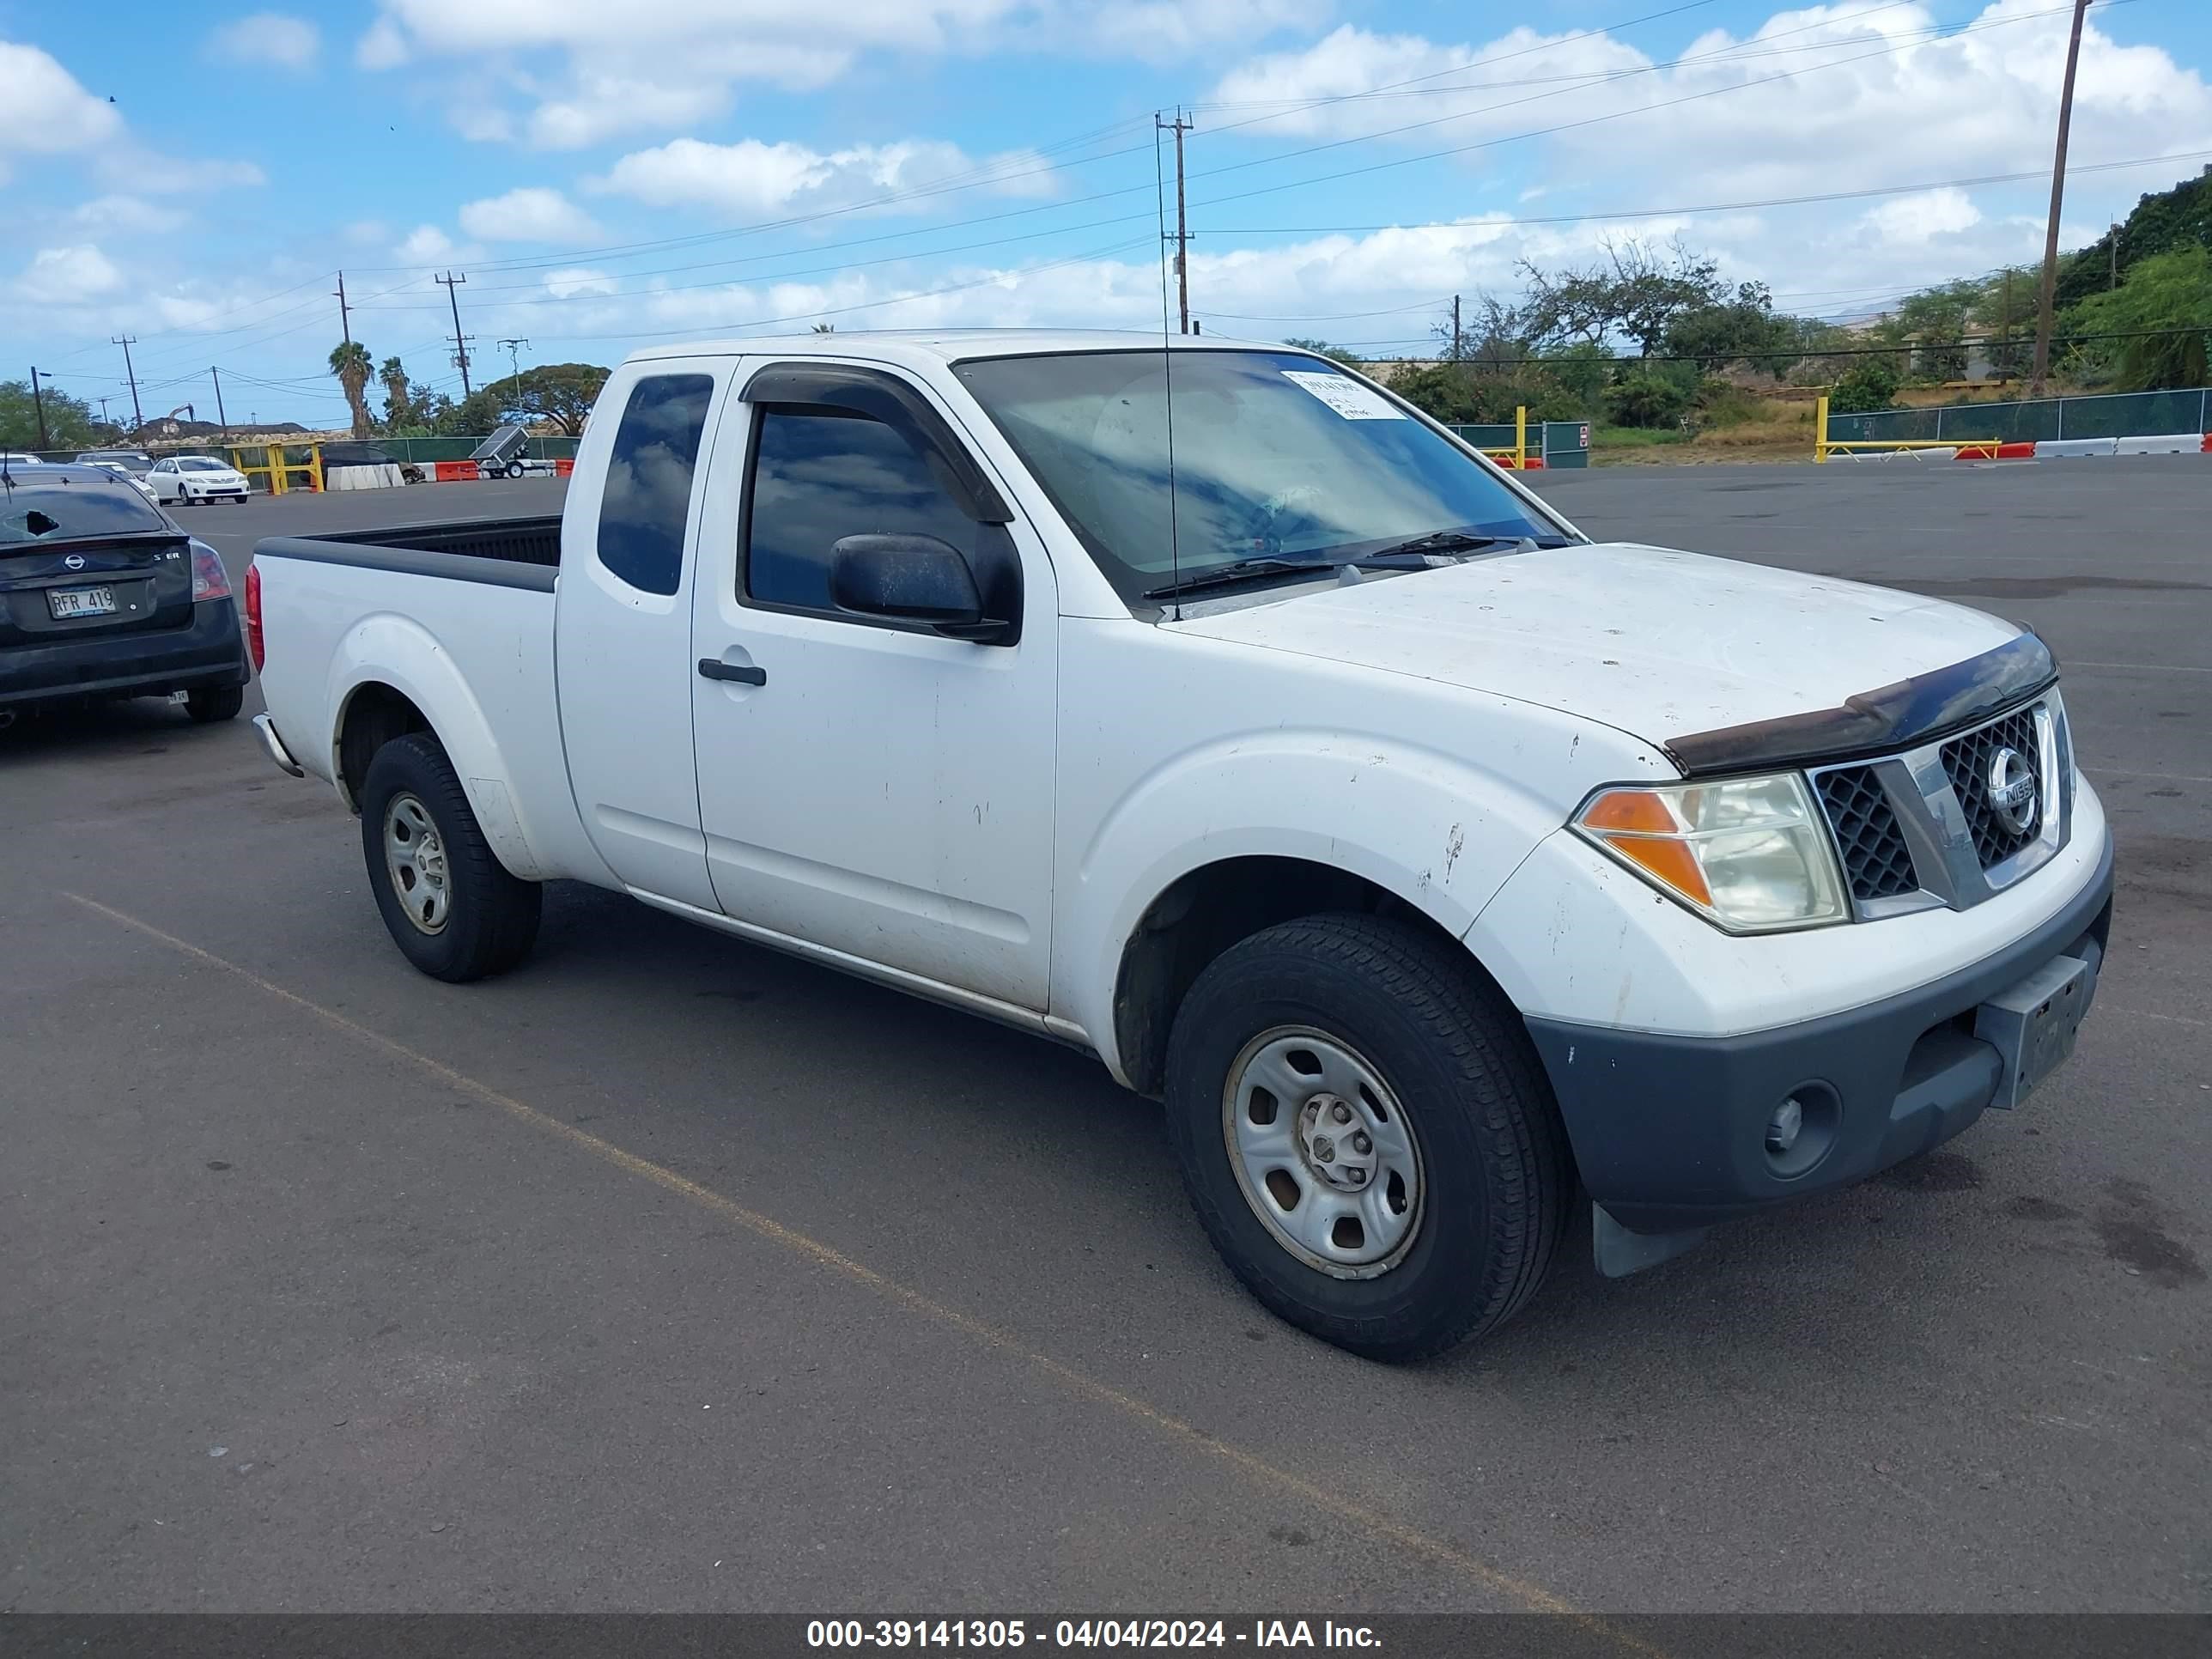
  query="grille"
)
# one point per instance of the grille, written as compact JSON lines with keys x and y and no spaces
{"x":1876,"y":857}
{"x":1966,"y":762}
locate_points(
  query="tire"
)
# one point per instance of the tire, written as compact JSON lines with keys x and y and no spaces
{"x":485,"y":920}
{"x":1491,"y":1178}
{"x":210,"y":703}
{"x":512,"y":470}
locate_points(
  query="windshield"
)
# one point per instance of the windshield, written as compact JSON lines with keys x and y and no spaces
{"x":201,"y":466}
{"x":1277,"y":455}
{"x":52,"y":511}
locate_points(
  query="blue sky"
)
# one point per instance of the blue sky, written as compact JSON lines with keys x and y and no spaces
{"x":612,"y":176}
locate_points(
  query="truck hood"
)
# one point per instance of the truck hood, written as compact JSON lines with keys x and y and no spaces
{"x":1657,"y":643}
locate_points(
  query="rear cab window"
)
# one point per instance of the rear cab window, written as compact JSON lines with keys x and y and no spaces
{"x":647,"y":495}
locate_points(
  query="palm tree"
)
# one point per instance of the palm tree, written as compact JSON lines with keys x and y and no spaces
{"x":399,"y":407}
{"x":350,"y":363}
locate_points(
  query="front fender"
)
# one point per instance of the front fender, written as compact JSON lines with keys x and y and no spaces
{"x":1438,"y":833}
{"x":398,"y":652}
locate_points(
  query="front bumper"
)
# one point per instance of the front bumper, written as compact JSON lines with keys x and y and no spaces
{"x":208,"y":651}
{"x":1669,"y":1131}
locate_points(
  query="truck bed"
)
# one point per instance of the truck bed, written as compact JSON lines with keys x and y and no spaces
{"x":507,"y":552}
{"x":455,"y":617}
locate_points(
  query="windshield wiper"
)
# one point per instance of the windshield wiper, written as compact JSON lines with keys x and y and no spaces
{"x":1240,"y":570}
{"x":1440,"y":541}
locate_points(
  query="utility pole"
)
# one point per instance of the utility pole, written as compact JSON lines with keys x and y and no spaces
{"x":137,"y":414}
{"x":452,"y":284}
{"x":514,"y":357}
{"x":2116,"y":256}
{"x":2046,"y":308}
{"x":2004,"y":330}
{"x":1456,"y":335}
{"x":345,"y":317}
{"x":39,"y":404}
{"x":104,"y":421}
{"x":1178,"y":126}
{"x":221,"y":419}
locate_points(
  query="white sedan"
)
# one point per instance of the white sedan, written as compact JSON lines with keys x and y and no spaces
{"x":183,"y":480}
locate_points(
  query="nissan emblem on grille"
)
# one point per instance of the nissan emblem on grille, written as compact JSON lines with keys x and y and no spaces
{"x":2012,"y":790}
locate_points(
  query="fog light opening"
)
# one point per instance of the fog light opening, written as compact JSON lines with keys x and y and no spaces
{"x":1801,"y":1129}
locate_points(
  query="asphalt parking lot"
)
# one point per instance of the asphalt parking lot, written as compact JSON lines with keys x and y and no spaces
{"x":668,"y":1273}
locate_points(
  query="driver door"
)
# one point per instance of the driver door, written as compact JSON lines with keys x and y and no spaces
{"x":869,"y":787}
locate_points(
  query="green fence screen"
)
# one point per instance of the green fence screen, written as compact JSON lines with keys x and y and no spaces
{"x":2119,"y":415}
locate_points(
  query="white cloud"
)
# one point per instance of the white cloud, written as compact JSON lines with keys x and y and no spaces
{"x":664,"y":64}
{"x":581,"y":280}
{"x":481,"y":123}
{"x":1912,"y":220}
{"x":1823,"y":98}
{"x":750,"y":176}
{"x":66,"y":276}
{"x":268,"y":37}
{"x":129,"y":214}
{"x":43,"y":110}
{"x":531,"y":214}
{"x":382,"y":47}
{"x":426,"y":245}
{"x":1169,"y":30}
{"x":599,"y":107}
{"x":367,"y":233}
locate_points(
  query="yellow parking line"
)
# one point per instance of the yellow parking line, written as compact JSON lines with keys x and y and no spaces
{"x":1532,"y":1596}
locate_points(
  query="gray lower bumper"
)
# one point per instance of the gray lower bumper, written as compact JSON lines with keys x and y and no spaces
{"x":1669,"y":1131}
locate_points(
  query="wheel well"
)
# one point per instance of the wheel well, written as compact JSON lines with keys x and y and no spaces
{"x":1202,"y":914}
{"x":374,"y":714}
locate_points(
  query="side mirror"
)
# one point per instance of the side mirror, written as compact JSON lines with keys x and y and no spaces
{"x":917,"y":579}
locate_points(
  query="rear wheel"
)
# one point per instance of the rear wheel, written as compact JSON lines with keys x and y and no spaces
{"x":1367,"y":1134}
{"x":210,"y":703}
{"x":452,"y":909}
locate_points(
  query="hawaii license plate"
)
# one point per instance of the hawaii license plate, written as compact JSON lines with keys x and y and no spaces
{"x":68,"y":602}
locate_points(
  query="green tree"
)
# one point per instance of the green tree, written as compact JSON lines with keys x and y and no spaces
{"x":474,"y":416}
{"x":1743,"y":328}
{"x":402,"y":407}
{"x":70,"y":422}
{"x":563,"y":394}
{"x":2159,"y":223}
{"x":2164,"y":307}
{"x":352,"y":364}
{"x":1645,"y":397}
{"x":1636,"y":292}
{"x":1580,"y":372}
{"x":1868,"y":384}
{"x":1322,"y":348}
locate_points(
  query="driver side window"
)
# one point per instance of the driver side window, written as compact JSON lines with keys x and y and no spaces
{"x":819,"y":475}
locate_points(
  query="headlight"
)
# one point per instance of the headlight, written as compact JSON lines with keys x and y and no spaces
{"x":1748,"y":855}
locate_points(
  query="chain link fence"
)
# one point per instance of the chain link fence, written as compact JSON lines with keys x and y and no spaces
{"x":2117,"y":414}
{"x":1556,"y":443}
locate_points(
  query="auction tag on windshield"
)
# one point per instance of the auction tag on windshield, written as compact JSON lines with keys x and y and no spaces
{"x":1346,"y":396}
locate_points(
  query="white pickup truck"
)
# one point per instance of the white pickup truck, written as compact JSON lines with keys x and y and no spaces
{"x":1209,"y":708}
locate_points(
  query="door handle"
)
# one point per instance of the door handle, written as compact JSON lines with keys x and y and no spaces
{"x":714,"y":668}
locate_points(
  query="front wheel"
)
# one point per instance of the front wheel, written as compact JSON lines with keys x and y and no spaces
{"x":450,"y":905}
{"x":1367,"y":1134}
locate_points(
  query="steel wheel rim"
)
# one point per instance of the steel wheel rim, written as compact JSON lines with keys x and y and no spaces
{"x":415,"y":864}
{"x":1325,"y":1155}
